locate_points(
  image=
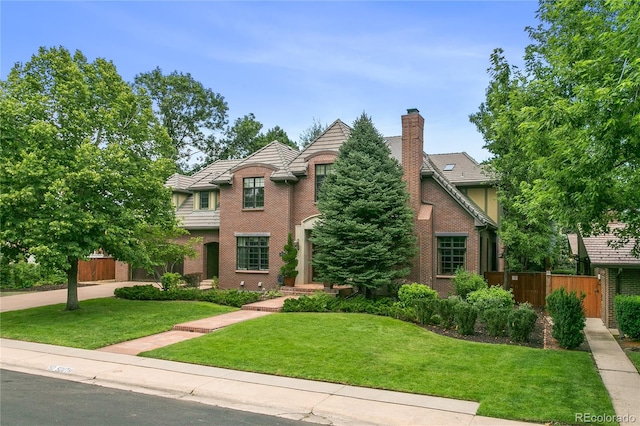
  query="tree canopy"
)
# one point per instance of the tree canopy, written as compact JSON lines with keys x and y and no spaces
{"x":245,"y":138}
{"x":82,"y":166}
{"x":312,"y":132}
{"x":191,"y":113}
{"x":577,"y":118}
{"x":365,"y":235}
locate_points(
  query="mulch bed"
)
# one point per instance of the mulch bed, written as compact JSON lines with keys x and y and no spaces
{"x":540,"y":337}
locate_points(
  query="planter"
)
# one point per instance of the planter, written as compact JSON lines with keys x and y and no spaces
{"x":289,"y":281}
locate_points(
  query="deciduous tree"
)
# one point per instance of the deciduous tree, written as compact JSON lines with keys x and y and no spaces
{"x":191,"y":113}
{"x":365,"y":235}
{"x":83,"y":163}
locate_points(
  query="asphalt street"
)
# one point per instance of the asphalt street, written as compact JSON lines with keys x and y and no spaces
{"x":30,"y":400}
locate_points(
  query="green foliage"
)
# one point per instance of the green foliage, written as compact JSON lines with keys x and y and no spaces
{"x":319,"y":302}
{"x":365,"y":237}
{"x":188,"y":111}
{"x":82,"y":166}
{"x":290,"y":259}
{"x":494,"y":297}
{"x":627,"y":309}
{"x":221,"y":297}
{"x":311,"y":133}
{"x":271,"y":294}
{"x":465,"y":316}
{"x":522,"y":322}
{"x":564,"y":131}
{"x":496,"y":320}
{"x":22,"y":274}
{"x":245,"y":138}
{"x":170,"y":280}
{"x":465,"y":282}
{"x":410,"y":294}
{"x":426,"y":310}
{"x":193,"y":280}
{"x":446,"y":311}
{"x":568,"y":317}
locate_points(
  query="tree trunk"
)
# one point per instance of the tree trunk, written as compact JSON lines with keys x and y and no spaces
{"x":72,"y":285}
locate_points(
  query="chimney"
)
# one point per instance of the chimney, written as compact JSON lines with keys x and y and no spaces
{"x":412,"y":154}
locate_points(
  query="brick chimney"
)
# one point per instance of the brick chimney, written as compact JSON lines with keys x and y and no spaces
{"x":412,"y":154}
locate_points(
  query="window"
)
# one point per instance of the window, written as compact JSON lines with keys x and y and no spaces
{"x":253,"y":197}
{"x":253,"y":253}
{"x":204,"y":200}
{"x":322,"y":170}
{"x":451,"y":254}
{"x":449,"y":167}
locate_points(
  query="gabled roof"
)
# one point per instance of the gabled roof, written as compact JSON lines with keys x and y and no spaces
{"x":204,"y":178}
{"x":275,"y":155}
{"x":601,"y":254}
{"x":462,"y":170}
{"x":197,"y":219}
{"x":480,"y":217}
{"x":179,"y":183}
{"x":331,"y":140}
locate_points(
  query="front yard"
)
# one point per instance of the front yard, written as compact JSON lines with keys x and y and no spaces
{"x":364,"y":350}
{"x":101,"y":322}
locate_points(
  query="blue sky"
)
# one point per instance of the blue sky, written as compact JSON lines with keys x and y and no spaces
{"x":289,"y":62}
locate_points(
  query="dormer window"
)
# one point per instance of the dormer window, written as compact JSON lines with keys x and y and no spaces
{"x":449,"y":167}
{"x":204,"y":200}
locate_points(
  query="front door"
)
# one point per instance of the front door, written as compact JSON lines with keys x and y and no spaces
{"x":212,"y":255}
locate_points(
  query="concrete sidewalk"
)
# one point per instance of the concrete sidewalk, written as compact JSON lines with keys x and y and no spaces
{"x":34,"y":299}
{"x":619,"y":375}
{"x":315,"y":402}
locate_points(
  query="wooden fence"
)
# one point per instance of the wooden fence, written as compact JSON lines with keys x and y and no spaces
{"x":97,"y":269}
{"x":533,"y":287}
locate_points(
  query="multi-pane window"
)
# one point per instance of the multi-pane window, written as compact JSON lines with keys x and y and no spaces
{"x":204,"y":200}
{"x":253,"y":253}
{"x":253,"y":195}
{"x":322,"y":170}
{"x":452,"y":252}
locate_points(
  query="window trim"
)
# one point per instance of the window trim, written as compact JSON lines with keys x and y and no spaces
{"x":244,"y":252}
{"x":254,"y":196}
{"x":452,"y":252}
{"x":201,"y":198}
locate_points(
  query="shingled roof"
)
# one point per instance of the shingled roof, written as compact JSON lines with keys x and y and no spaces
{"x":601,"y":254}
{"x":197,"y":219}
{"x":329,"y":141}
{"x":460,"y":169}
{"x":274,"y":155}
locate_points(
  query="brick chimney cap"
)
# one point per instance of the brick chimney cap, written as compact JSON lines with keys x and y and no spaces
{"x":413,"y":111}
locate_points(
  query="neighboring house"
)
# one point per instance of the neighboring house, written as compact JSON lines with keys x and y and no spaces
{"x":617,"y":270}
{"x":244,"y":209}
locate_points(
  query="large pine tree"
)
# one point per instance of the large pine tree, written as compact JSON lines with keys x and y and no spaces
{"x":365,"y":236}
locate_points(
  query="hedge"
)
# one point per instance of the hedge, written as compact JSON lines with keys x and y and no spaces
{"x":221,"y":297}
{"x":627,"y":309}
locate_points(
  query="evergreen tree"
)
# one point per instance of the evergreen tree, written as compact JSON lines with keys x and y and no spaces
{"x":365,"y":236}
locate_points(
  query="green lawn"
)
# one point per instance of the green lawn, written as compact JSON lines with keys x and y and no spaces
{"x":101,"y":322}
{"x":509,"y":381}
{"x":635,"y":358}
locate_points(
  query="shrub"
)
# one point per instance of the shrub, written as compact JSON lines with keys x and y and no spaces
{"x":521,"y":322}
{"x":494,"y":297}
{"x":193,"y":280}
{"x":170,"y":280}
{"x":425,"y":311}
{"x":221,"y":297}
{"x":627,"y":309}
{"x":466,"y":282}
{"x":235,"y":298}
{"x":410,"y":294}
{"x":496,"y":320}
{"x":23,"y":274}
{"x":138,"y":292}
{"x":318,"y":302}
{"x":465,"y":316}
{"x":446,"y":310}
{"x":568,"y":317}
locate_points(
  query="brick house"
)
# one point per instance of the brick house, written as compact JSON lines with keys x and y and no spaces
{"x":244,"y":210}
{"x":617,"y":270}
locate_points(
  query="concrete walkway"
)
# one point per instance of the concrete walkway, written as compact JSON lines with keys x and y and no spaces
{"x":619,"y":375}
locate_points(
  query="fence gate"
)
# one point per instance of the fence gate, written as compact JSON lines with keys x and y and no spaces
{"x":97,"y":269}
{"x":527,"y":286}
{"x":590,"y":286}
